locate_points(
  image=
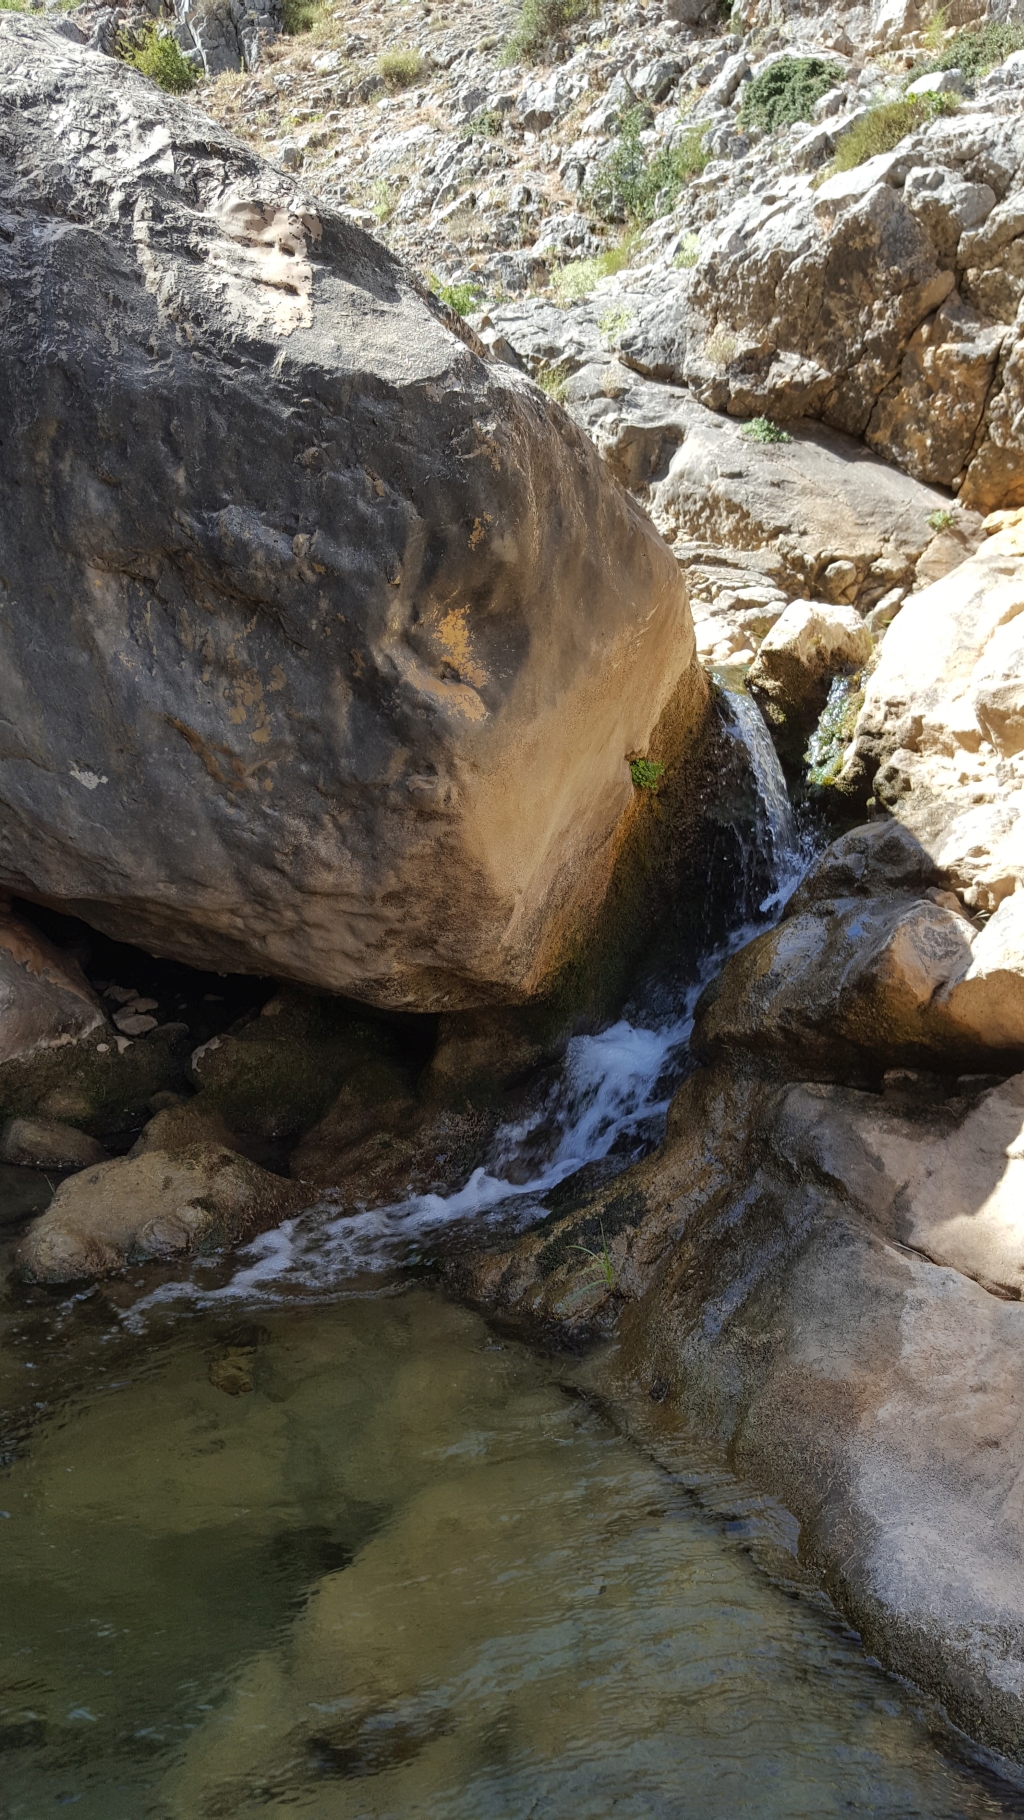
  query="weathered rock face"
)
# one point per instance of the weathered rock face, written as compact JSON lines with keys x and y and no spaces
{"x":324,"y":640}
{"x":45,"y":1000}
{"x":883,"y":301}
{"x":939,"y":735}
{"x":807,"y":646}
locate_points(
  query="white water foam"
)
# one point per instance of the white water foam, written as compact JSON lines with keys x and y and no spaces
{"x":613,"y":1090}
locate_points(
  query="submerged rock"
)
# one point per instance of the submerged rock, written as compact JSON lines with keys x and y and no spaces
{"x":363,"y":631}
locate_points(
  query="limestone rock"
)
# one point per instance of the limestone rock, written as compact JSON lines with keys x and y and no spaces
{"x":45,"y":1000}
{"x":157,"y":1204}
{"x":357,"y":713}
{"x":937,"y":737}
{"x":808,"y":645}
{"x":45,"y":1144}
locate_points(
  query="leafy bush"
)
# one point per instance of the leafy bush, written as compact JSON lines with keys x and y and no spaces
{"x":159,"y":58}
{"x":884,"y":126}
{"x":975,"y":51}
{"x":646,"y":774}
{"x":298,"y":16}
{"x":400,"y":69}
{"x":787,"y":91}
{"x":384,"y":200}
{"x":462,"y":298}
{"x":615,"y":322}
{"x":631,"y":186}
{"x":720,"y":347}
{"x":762,"y":429}
{"x":541,"y":24}
{"x":942,"y":519}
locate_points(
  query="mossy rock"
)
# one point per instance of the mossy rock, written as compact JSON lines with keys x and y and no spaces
{"x":278,"y":1073}
{"x":92,"y":1084}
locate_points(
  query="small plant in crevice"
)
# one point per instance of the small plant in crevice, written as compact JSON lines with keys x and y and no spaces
{"x":384,"y":201}
{"x":762,"y":429}
{"x":576,"y":280}
{"x":462,"y":298}
{"x":787,"y":91}
{"x":300,"y":16}
{"x":942,"y":519}
{"x":720,"y":347}
{"x":553,"y":381}
{"x":160,"y":57}
{"x":688,"y":253}
{"x":603,"y":1276}
{"x":646,"y":774}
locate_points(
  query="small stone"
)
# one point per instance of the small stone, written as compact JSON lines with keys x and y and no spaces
{"x":46,"y":1144}
{"x":132,"y":1023}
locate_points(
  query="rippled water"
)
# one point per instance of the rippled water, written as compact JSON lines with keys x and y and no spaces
{"x":372,"y":1560}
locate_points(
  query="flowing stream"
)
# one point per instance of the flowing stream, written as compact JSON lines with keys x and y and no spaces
{"x":292,"y":1534}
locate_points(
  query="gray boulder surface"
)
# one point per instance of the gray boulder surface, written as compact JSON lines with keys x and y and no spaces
{"x":323,"y":639}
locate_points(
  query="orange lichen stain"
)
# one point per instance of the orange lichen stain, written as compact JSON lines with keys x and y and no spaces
{"x":277,"y":679}
{"x":453,"y":637}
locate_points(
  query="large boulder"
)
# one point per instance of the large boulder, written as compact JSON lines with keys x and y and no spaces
{"x":325,"y":639}
{"x":939,"y":736}
{"x":45,"y":1000}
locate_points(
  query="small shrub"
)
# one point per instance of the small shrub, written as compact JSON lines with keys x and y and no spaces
{"x":979,"y":49}
{"x":934,"y":34}
{"x":787,"y":91}
{"x":384,"y":201}
{"x":160,"y":58}
{"x":942,"y":519}
{"x":688,"y":253}
{"x":553,"y":381}
{"x":486,"y":123}
{"x":578,"y":279}
{"x":400,"y":69}
{"x":298,"y":16}
{"x":634,"y":187}
{"x":884,"y":126}
{"x":646,"y":774}
{"x":462,"y":298}
{"x":541,"y":25}
{"x":762,"y":429}
{"x":614,"y":322}
{"x":720,"y":347}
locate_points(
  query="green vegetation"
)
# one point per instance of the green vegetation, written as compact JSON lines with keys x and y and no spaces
{"x":384,"y":200}
{"x":884,"y":126}
{"x":400,"y":69}
{"x":975,"y":50}
{"x":762,"y":429}
{"x":486,"y":123}
{"x":158,"y":57}
{"x":634,"y":187}
{"x":298,"y":16}
{"x":613,"y":323}
{"x":462,"y":298}
{"x":834,"y":731}
{"x":553,"y":381}
{"x":541,"y":25}
{"x":787,"y":91}
{"x":688,"y":252}
{"x":942,"y":519}
{"x":646,"y":774}
{"x":604,"y":1272}
{"x":571,"y":282}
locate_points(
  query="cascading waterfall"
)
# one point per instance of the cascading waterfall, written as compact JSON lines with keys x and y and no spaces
{"x":611,"y":1095}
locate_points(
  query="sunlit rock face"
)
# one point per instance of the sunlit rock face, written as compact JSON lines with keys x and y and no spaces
{"x":325,"y":640}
